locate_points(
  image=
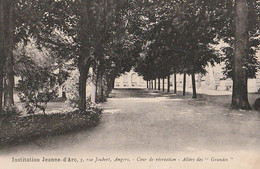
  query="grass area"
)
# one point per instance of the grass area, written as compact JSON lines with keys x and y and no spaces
{"x":220,"y":100}
{"x":224,"y":100}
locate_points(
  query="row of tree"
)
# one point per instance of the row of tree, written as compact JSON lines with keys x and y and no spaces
{"x":71,"y":34}
{"x":158,"y":37}
{"x":181,"y":37}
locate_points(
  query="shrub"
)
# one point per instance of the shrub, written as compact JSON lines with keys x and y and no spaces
{"x":97,"y":108}
{"x":101,"y":99}
{"x":256,"y":105}
{"x":71,"y":87}
{"x":36,"y":90}
{"x":26,"y":128}
{"x":11,"y":112}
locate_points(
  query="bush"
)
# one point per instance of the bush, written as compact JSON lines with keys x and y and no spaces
{"x":256,"y":105}
{"x":10,"y":112}
{"x":94,"y":107}
{"x":101,"y":99}
{"x":20,"y":129}
{"x":71,"y":87}
{"x":36,"y":90}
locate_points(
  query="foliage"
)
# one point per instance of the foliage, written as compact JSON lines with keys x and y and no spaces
{"x":95,"y":108}
{"x":26,"y":128}
{"x":71,"y":88}
{"x":36,"y":90}
{"x":227,"y":33}
{"x":11,"y":112}
{"x":176,"y":36}
{"x":157,"y":37}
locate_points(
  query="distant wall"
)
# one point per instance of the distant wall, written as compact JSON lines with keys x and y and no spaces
{"x":130,"y":80}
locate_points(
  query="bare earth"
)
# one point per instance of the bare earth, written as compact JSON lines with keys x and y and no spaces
{"x":147,"y":123}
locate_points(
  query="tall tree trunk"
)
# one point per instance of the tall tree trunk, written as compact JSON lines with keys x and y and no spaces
{"x":168,"y":84}
{"x":240,"y":93}
{"x":159,"y":84}
{"x":83,"y":76}
{"x":84,"y":55}
{"x":9,"y":71}
{"x":194,"y":93}
{"x":152,"y":83}
{"x":82,"y":90}
{"x":155,"y":84}
{"x":109,"y":85}
{"x":175,"y":83}
{"x":101,"y":87}
{"x":93,"y":96}
{"x":113,"y":82}
{"x":163,"y":85}
{"x":184,"y":84}
{"x":96,"y":84}
{"x":147,"y":84}
{"x":2,"y":56}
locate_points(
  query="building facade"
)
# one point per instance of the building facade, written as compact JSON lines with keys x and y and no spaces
{"x":214,"y":79}
{"x":130,"y":80}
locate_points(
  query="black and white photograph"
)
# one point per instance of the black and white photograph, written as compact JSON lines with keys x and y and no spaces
{"x":129,"y":84}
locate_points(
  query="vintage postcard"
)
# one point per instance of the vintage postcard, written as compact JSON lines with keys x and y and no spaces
{"x":138,"y":84}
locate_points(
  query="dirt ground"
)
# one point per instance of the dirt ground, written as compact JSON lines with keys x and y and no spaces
{"x":149,"y":123}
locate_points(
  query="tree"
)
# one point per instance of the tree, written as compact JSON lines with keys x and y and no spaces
{"x":2,"y":56}
{"x":8,"y":52}
{"x":239,"y":95}
{"x":168,"y":84}
{"x":233,"y":58}
{"x":179,"y":32}
{"x":175,"y":83}
{"x":61,"y":27}
{"x":197,"y":19}
{"x":227,"y":35}
{"x":115,"y":51}
{"x":84,"y":60}
{"x":72,"y":29}
{"x":37,"y":89}
{"x":155,"y":61}
{"x":184,"y":84}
